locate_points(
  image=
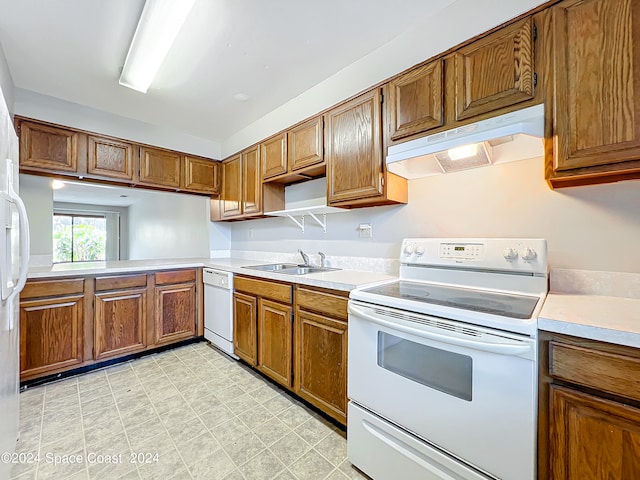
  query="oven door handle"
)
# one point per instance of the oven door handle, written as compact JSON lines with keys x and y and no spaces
{"x":500,"y":348}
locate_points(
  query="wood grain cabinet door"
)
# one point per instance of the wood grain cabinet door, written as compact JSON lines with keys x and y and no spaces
{"x":415,"y":101}
{"x":275,"y":332}
{"x":201,"y":175}
{"x":251,"y":182}
{"x":119,"y":322}
{"x":48,"y":148}
{"x":159,"y":167}
{"x":322,"y":362}
{"x":109,"y":158}
{"x":354,"y":149}
{"x":496,"y":71}
{"x":305,"y":144}
{"x":245,"y":336}
{"x":231,"y":188}
{"x":592,"y":438}
{"x":597,"y":82}
{"x":175,"y":312}
{"x":51,"y":333}
{"x":273,"y":156}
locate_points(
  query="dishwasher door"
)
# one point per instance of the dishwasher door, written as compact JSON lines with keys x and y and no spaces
{"x":218,"y":309}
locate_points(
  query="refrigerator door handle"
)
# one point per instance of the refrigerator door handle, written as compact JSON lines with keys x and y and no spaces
{"x":24,"y":243}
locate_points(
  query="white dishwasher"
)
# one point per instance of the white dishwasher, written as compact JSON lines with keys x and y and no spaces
{"x":218,"y":309}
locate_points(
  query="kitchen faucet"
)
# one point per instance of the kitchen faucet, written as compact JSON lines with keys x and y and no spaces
{"x":305,"y":257}
{"x":322,"y":258}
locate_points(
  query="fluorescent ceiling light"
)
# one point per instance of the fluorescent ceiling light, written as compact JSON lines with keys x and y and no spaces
{"x":157,"y":29}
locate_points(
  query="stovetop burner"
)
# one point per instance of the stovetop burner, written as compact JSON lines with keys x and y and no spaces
{"x":507,"y":305}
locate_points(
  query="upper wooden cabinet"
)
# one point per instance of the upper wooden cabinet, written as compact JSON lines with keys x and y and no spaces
{"x":305,"y":146}
{"x":596,"y":105}
{"x":273,"y":156}
{"x":159,"y":167}
{"x":45,"y":147}
{"x":355,"y":165}
{"x":294,"y":155}
{"x":416,"y":101}
{"x":110,"y":158}
{"x":251,"y":182}
{"x":230,"y":203}
{"x":201,"y":175}
{"x":496,"y":71}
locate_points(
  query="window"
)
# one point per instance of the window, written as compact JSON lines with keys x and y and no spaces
{"x":79,"y":238}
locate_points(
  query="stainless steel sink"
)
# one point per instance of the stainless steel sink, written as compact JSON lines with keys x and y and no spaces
{"x":301,"y":270}
{"x":290,"y":268}
{"x":272,"y":267}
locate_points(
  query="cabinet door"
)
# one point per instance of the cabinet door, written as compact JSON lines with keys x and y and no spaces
{"x":245,"y":338}
{"x":120,"y":323}
{"x":275,"y":331}
{"x":322,"y":362}
{"x":415,"y":101}
{"x":50,"y":335}
{"x":159,"y":167}
{"x":251,"y":182}
{"x":231,"y":190}
{"x":305,"y":145}
{"x":201,"y":175}
{"x":50,"y":148}
{"x":496,"y":71}
{"x":597,"y":82}
{"x":354,"y":149}
{"x":273,"y":156}
{"x":109,"y":158}
{"x":592,"y":438}
{"x":175,"y":312}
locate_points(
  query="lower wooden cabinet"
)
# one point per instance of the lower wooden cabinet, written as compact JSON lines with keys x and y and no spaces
{"x":589,"y":410}
{"x":175,"y":316}
{"x":275,"y":357}
{"x":66,"y":323}
{"x":51,"y":327}
{"x":120,"y":322}
{"x":245,"y":338}
{"x":321,"y":349}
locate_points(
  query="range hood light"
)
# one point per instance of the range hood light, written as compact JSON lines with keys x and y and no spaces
{"x":464,"y":151}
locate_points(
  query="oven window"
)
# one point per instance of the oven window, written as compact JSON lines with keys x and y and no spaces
{"x":444,"y":371}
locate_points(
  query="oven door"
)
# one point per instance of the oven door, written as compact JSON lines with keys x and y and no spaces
{"x":469,"y":391}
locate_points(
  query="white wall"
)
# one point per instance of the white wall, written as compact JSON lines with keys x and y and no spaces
{"x":460,"y":21}
{"x":37,"y":195}
{"x":6,"y":82}
{"x":50,"y":109}
{"x":592,"y":228}
{"x":169,"y":226}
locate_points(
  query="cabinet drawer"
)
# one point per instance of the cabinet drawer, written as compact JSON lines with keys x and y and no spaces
{"x":608,"y":372}
{"x":120,"y":281}
{"x":179,"y":276}
{"x":264,"y":288}
{"x":330,"y":304}
{"x":52,"y":288}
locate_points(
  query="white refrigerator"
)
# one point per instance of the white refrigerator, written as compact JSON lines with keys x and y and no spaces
{"x":14,"y":263}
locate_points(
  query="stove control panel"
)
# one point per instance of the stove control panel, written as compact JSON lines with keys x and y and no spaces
{"x":507,"y":254}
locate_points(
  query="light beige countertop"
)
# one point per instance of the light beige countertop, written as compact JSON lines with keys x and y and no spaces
{"x":344,"y":279}
{"x":587,"y":304}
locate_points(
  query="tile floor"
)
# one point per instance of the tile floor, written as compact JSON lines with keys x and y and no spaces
{"x":204,"y":415}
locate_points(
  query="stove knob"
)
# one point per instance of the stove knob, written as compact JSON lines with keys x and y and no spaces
{"x":510,"y":254}
{"x":528,"y":254}
{"x":420,"y":250}
{"x":408,"y":249}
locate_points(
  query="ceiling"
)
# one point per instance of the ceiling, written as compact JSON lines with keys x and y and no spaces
{"x":270,"y":51}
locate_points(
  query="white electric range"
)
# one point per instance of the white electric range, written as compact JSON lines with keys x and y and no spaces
{"x":442,"y":374}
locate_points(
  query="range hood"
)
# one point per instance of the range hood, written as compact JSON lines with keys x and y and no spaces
{"x":513,"y":136}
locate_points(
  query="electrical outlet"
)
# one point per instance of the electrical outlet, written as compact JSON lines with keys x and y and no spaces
{"x":365,"y":230}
